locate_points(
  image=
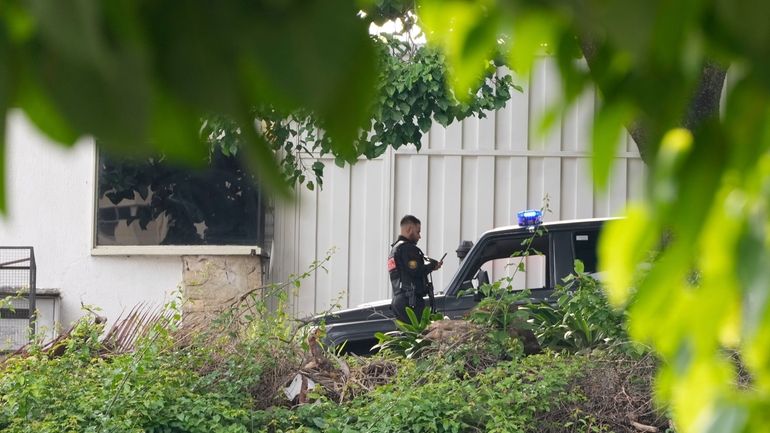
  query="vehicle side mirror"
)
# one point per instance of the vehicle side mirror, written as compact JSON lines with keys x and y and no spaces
{"x":483,"y":278}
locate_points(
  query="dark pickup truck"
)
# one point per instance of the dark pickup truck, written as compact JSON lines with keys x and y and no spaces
{"x":550,"y":257}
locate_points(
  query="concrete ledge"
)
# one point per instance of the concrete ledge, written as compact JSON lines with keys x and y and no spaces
{"x":6,"y":291}
{"x":176,"y":250}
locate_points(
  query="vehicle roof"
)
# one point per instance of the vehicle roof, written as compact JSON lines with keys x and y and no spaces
{"x":551,"y":225}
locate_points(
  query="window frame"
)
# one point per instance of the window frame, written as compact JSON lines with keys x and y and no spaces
{"x":474,"y":261}
{"x":152,"y":250}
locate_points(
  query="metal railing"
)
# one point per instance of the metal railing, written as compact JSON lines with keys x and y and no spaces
{"x":17,"y":295}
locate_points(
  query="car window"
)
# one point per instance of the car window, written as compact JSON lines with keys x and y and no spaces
{"x":585,"y":245}
{"x":501,"y":258}
{"x":525,"y":272}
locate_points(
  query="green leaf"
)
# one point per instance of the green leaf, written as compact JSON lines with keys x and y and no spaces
{"x":72,"y":29}
{"x":579,"y":267}
{"x":609,"y":124}
{"x":173,"y":131}
{"x":412,"y":316}
{"x":112,"y":104}
{"x":424,"y":123}
{"x":308,"y":63}
{"x":2,"y":161}
{"x":674,"y":149}
{"x":727,"y":417}
{"x":471,"y":42}
{"x":532,"y":31}
{"x":738,"y":19}
{"x":39,"y":108}
{"x":619,"y":260}
{"x":442,"y":119}
{"x":320,"y":423}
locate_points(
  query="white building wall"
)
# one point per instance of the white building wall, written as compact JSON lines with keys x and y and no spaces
{"x":467,"y":178}
{"x":50,"y":193}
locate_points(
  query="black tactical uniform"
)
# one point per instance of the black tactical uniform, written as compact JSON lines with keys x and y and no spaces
{"x":408,"y":273}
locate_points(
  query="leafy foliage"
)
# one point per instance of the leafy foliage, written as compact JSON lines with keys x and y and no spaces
{"x":581,"y":318}
{"x":431,"y":396}
{"x":502,"y":317}
{"x":577,"y":317}
{"x":181,"y":376}
{"x":140,"y":76}
{"x":707,"y":193}
{"x":408,"y":339}
{"x":224,"y":376}
{"x":499,"y":309}
{"x":148,"y":390}
{"x":412,"y":92}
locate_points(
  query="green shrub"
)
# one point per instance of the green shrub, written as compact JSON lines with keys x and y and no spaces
{"x":515,"y":395}
{"x":408,"y":339}
{"x":225,"y":377}
{"x":171,"y":381}
{"x":581,"y":319}
{"x":432,"y":396}
{"x":502,"y":317}
{"x":80,"y":391}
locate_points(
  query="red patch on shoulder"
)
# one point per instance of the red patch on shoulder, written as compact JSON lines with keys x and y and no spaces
{"x":391,"y":264}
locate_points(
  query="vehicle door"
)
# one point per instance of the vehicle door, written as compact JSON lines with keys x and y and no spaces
{"x":517,"y":260}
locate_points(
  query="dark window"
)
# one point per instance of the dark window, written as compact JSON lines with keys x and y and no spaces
{"x":585,"y":244}
{"x":153,"y":202}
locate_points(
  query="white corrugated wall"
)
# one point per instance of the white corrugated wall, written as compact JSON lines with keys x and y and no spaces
{"x":467,"y":178}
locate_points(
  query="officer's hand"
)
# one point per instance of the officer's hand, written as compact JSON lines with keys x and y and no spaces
{"x":435,"y":264}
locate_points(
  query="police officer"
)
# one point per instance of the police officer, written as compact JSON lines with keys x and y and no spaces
{"x":408,"y":269}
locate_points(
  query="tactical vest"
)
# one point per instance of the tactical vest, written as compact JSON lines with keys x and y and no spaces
{"x":393,"y":270}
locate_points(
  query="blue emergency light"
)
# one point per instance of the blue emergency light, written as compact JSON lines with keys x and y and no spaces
{"x":530,"y":217}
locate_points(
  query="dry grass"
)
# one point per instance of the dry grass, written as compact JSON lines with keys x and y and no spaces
{"x":618,"y":394}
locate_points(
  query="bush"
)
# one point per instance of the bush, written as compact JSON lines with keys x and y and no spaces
{"x":581,"y":319}
{"x":200,"y":378}
{"x":227,"y":376}
{"x":434,"y":397}
{"x":80,"y":391}
{"x":408,"y":339}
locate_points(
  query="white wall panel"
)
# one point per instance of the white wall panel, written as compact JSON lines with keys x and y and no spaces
{"x":470,"y":127}
{"x":577,"y":192}
{"x":618,"y":187}
{"x":443,"y":223}
{"x":487,"y":131}
{"x":453,"y":140}
{"x":306,"y":247}
{"x":510,"y":189}
{"x":284,"y":259}
{"x":333,"y":231}
{"x":636,"y":176}
{"x":468,"y":178}
{"x":544,"y":99}
{"x":544,"y":185}
{"x":576,"y":127}
{"x":368,"y":222}
{"x":517,"y":115}
{"x":436,"y":137}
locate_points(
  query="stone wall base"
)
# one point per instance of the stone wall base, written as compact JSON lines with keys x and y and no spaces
{"x":210,"y":284}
